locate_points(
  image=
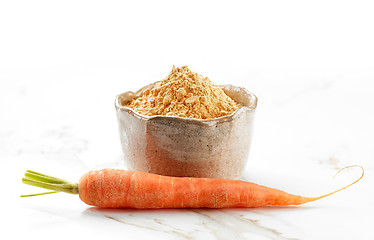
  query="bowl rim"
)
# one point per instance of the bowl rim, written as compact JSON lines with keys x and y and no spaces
{"x":211,"y":121}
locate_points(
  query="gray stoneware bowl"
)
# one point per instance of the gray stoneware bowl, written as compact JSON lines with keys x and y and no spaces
{"x":185,"y":147}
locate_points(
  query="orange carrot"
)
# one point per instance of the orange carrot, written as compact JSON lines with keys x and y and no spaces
{"x":113,"y":188}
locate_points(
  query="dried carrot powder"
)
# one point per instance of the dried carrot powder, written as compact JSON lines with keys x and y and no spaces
{"x":184,"y":94}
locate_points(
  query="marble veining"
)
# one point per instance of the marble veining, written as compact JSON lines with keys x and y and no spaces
{"x":302,"y":135}
{"x":207,"y":223}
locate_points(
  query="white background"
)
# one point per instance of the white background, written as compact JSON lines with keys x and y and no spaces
{"x":310,"y":63}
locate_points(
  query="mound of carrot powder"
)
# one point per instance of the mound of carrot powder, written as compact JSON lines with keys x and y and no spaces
{"x":184,"y":94}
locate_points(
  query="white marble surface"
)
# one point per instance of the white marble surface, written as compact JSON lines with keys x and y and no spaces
{"x":61,"y":67}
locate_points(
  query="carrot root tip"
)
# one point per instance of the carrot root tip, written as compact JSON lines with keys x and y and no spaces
{"x":340,"y":189}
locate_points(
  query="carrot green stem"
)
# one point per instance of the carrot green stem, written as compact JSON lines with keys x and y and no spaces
{"x":48,"y":182}
{"x":37,"y":194}
{"x":46,"y":176}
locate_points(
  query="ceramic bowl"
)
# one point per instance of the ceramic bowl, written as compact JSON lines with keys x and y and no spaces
{"x":185,"y":147}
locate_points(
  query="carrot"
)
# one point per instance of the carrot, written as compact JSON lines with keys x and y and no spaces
{"x":113,"y":188}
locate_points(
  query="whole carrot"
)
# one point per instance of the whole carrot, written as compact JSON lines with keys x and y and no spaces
{"x":113,"y":188}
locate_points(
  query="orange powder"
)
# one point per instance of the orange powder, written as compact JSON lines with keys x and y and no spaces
{"x":184,"y":94}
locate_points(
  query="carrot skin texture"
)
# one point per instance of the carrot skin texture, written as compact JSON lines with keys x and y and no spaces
{"x":114,"y":188}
